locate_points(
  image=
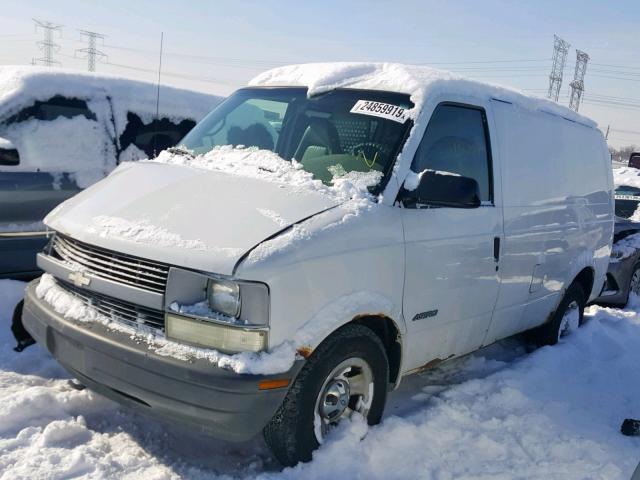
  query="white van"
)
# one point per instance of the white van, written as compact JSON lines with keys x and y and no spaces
{"x":373,"y":221}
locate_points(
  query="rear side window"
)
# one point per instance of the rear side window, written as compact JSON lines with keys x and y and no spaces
{"x":456,"y":141}
{"x":155,"y":136}
{"x":53,"y":108}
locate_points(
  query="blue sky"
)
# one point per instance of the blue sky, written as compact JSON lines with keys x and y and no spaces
{"x":218,"y":46}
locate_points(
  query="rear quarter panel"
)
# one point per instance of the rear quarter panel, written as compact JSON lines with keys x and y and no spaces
{"x":558,"y":212}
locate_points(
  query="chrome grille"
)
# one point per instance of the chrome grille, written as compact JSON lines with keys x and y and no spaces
{"x":116,"y":309}
{"x":119,"y":267}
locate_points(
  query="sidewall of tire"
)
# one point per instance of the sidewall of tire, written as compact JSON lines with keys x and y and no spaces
{"x":291,"y":433}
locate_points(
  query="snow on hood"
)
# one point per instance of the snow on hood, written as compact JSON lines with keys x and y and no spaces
{"x":21,"y":86}
{"x":200,"y":212}
{"x":417,"y":81}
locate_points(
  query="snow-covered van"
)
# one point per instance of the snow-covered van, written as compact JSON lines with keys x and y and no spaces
{"x":283,"y":274}
{"x":61,"y":131}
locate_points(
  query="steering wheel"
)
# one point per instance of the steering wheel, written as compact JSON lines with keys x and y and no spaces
{"x":369,"y":152}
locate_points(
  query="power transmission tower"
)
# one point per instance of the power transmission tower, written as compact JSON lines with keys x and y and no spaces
{"x":91,"y":52}
{"x":47,"y":45}
{"x":577,"y":86}
{"x":560,"y":50}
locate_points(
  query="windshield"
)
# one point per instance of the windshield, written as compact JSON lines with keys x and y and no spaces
{"x":331,"y":134}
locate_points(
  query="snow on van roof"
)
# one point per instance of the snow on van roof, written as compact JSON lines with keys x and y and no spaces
{"x":21,"y":86}
{"x":417,"y":81}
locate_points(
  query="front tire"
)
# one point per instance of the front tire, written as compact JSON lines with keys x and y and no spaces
{"x":347,"y":373}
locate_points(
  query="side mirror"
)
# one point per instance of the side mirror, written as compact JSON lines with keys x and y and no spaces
{"x":443,"y":190}
{"x":8,"y":153}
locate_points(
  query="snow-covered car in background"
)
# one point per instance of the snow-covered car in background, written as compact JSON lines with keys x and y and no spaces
{"x":384,"y":218}
{"x":61,"y":131}
{"x":623,"y":274}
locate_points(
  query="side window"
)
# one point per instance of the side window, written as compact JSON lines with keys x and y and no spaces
{"x":155,"y":136}
{"x":456,"y":141}
{"x":53,"y":108}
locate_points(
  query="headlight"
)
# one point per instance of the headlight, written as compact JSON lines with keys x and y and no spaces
{"x":224,"y":297}
{"x":202,"y":333}
{"x":216,"y":312}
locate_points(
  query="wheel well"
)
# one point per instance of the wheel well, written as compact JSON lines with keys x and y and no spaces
{"x":585,"y":279}
{"x":386,"y":330}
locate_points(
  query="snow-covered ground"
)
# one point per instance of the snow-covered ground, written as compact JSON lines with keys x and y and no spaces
{"x":503,"y":412}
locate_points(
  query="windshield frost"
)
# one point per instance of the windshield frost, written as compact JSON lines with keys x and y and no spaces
{"x":331,"y":135}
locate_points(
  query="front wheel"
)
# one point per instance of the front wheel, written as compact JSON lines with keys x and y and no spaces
{"x":347,"y":374}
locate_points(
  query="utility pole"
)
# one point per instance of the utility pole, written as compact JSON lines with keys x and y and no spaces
{"x":47,"y":45}
{"x":577,"y":86}
{"x":91,"y":52}
{"x":560,"y":50}
{"x":606,"y":135}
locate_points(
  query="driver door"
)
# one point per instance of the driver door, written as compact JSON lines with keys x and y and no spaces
{"x":452,"y":254}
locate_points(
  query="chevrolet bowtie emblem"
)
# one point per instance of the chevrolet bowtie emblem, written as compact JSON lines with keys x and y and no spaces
{"x":79,"y":280}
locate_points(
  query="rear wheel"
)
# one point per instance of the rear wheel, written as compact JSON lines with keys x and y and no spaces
{"x":347,"y":374}
{"x":566,"y":319}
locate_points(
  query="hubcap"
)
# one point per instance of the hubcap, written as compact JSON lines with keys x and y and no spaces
{"x":570,"y":320}
{"x":347,"y":389}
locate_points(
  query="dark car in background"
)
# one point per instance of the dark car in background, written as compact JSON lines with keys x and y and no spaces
{"x":623,"y":274}
{"x":61,"y":131}
{"x":634,"y":160}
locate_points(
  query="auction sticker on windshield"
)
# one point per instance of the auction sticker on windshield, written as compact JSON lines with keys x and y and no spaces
{"x":379,"y":109}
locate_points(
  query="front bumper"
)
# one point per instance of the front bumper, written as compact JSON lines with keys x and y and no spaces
{"x":196,"y":393}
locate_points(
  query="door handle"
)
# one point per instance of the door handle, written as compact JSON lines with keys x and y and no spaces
{"x":496,"y":249}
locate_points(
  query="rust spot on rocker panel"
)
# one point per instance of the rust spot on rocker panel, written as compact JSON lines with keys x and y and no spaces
{"x":433,"y":363}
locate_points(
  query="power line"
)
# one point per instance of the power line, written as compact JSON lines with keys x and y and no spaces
{"x":91,"y":53}
{"x":47,"y":45}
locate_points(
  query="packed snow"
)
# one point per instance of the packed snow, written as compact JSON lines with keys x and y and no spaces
{"x":500,"y":413}
{"x":46,"y":146}
{"x":142,"y":231}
